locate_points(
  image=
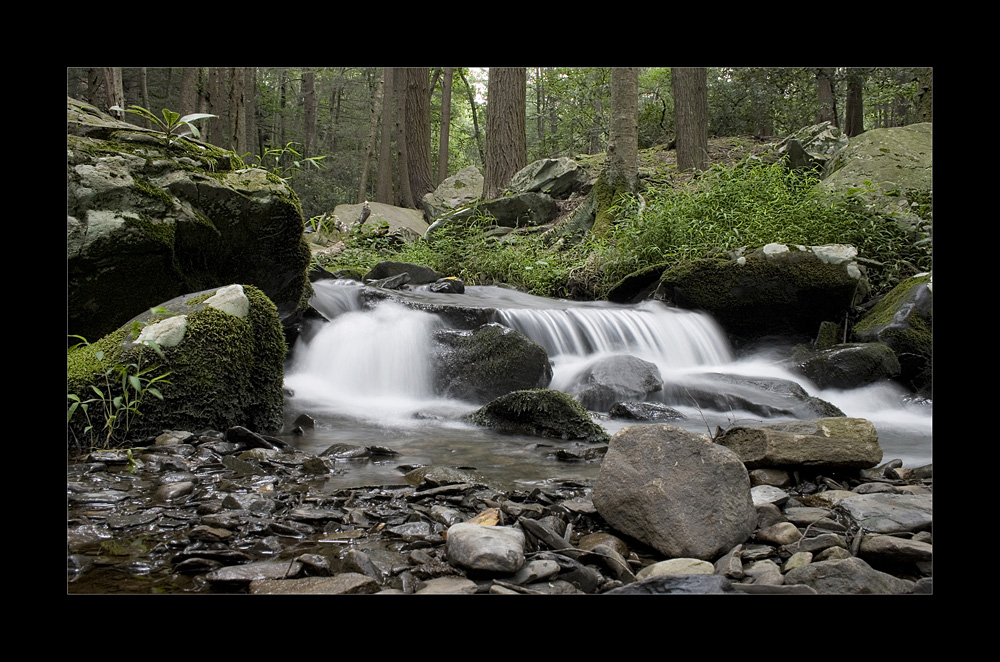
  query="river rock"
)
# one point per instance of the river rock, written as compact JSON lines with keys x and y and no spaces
{"x":675,"y":491}
{"x":612,"y":378}
{"x":840,"y":443}
{"x":540,"y":412}
{"x":903,"y":320}
{"x":644,"y":411}
{"x":485,"y":548}
{"x":419,"y":274}
{"x":848,"y":366}
{"x":851,"y":575}
{"x":493,"y":360}
{"x":888,"y":513}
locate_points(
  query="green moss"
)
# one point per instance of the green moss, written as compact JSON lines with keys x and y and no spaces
{"x":228,"y":371}
{"x":541,"y":412}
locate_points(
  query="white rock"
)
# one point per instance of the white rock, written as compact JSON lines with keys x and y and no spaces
{"x":165,"y":333}
{"x":230,"y":299}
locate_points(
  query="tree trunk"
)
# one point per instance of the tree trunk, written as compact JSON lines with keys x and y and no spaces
{"x":925,"y":82}
{"x":827,"y":98}
{"x":383,"y":182}
{"x":475,"y":116}
{"x":143,"y":88}
{"x":237,"y":111}
{"x":506,"y":141}
{"x":114,"y":90}
{"x":445,"y":130}
{"x":418,"y":131}
{"x":309,"y":104}
{"x":405,"y":198}
{"x":188,"y":102}
{"x":690,"y":116}
{"x":854,"y":113}
{"x":620,"y":175}
{"x":376,"y":108}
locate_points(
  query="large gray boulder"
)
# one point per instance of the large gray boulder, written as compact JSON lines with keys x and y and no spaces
{"x":848,"y":366}
{"x":675,"y":491}
{"x":407,"y":224}
{"x":613,"y":378}
{"x":148,"y":221}
{"x":558,"y":178}
{"x":460,"y":190}
{"x":847,"y":576}
{"x":898,"y":162}
{"x":828,"y":443}
{"x":493,"y":360}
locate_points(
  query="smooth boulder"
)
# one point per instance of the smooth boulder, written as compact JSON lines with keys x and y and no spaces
{"x":830,"y":443}
{"x":675,"y":491}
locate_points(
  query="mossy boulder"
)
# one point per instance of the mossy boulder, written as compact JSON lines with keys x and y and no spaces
{"x":777,"y":290}
{"x":540,"y":413}
{"x":898,"y":163}
{"x":848,"y":366}
{"x":224,"y":351}
{"x":904,"y":321}
{"x":148,"y":221}
{"x":491,"y":361}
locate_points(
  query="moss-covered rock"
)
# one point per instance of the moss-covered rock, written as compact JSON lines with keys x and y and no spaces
{"x":148,"y":221}
{"x":225,"y":359}
{"x":541,"y":413}
{"x":904,"y":320}
{"x":493,"y":360}
{"x":849,"y":366}
{"x":776,"y":290}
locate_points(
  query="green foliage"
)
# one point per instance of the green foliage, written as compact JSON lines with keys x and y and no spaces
{"x":283,"y":161}
{"x":172,"y":125}
{"x":116,"y":398}
{"x":750,"y":205}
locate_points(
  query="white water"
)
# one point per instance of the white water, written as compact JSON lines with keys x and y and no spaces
{"x":366,"y":377}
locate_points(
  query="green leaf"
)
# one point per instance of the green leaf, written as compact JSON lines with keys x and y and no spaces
{"x":133,"y":380}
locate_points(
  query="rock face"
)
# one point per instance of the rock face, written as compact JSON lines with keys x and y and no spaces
{"x":148,"y":221}
{"x":776,"y":290}
{"x":675,"y":491}
{"x":493,"y":360}
{"x":223,"y":349}
{"x":831,"y":443}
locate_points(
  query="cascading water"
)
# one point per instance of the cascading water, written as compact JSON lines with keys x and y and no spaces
{"x":367,"y":376}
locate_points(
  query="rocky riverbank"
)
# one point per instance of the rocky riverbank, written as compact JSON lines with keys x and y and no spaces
{"x":237,"y":512}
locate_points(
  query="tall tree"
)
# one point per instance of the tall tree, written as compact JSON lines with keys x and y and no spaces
{"x":506,"y":140}
{"x":475,"y":115}
{"x":383,"y":181}
{"x":310,"y":105}
{"x":925,"y":106}
{"x":854,"y":111}
{"x":376,"y":109}
{"x":189,"y":91}
{"x":689,"y":85}
{"x":418,"y":131}
{"x":237,"y":111}
{"x":445,"y":130}
{"x":620,"y":175}
{"x":404,"y":196}
{"x":114,"y":90}
{"x":827,"y":97}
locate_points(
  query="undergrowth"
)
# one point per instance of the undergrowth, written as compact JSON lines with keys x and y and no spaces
{"x":726,"y":208}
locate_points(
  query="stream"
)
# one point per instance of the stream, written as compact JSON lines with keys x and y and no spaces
{"x":364,"y":374}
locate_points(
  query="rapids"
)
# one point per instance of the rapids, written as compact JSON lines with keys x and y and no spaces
{"x":365,"y":375}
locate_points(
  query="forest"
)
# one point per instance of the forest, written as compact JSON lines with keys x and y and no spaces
{"x":335,"y":132}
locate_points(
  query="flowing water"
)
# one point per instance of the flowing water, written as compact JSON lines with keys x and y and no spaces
{"x":365,"y":376}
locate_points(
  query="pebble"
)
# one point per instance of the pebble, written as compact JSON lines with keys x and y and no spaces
{"x":233,"y":512}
